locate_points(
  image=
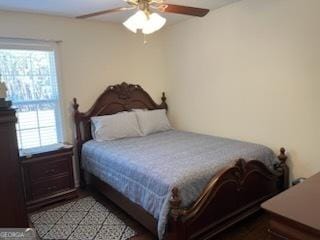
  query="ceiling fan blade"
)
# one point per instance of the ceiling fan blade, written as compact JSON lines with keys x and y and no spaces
{"x":119,"y":9}
{"x":193,"y":11}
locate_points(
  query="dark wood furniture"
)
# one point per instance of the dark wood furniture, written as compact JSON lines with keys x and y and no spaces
{"x":48,"y":177}
{"x":295,"y":213}
{"x":12,"y":206}
{"x":233,"y":193}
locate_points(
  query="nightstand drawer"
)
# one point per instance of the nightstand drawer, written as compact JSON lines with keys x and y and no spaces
{"x":48,"y":169}
{"x":50,"y":186}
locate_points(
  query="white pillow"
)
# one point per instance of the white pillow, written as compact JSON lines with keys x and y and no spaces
{"x":153,"y":121}
{"x":116,"y":126}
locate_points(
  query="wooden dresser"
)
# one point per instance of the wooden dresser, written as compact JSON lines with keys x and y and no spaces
{"x":48,"y":177}
{"x":295,"y":213}
{"x":12,"y":206}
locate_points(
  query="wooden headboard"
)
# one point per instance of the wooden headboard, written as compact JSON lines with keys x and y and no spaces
{"x":116,"y":98}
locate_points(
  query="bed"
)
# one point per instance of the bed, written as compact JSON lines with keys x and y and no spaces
{"x":179,"y":185}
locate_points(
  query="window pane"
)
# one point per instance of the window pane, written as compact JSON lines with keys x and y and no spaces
{"x":30,"y":138}
{"x":48,"y":135}
{"x":29,"y":75}
{"x":32,"y":87}
{"x":27,"y":120}
{"x":47,"y":118}
{"x":39,"y":116}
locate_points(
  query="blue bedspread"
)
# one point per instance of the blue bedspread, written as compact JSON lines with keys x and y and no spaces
{"x":145,"y":169}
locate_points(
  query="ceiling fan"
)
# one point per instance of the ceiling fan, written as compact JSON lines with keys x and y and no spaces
{"x":146,"y":20}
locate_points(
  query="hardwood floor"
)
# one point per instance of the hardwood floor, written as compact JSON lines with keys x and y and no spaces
{"x":253,"y":228}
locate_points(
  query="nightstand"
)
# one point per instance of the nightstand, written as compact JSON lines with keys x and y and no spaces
{"x":48,"y":177}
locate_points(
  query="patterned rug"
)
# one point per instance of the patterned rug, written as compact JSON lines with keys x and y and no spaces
{"x":81,"y":219}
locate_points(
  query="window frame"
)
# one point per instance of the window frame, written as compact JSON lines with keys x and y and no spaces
{"x":49,"y":46}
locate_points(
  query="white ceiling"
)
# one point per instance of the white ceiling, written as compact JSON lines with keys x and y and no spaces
{"x":72,"y":8}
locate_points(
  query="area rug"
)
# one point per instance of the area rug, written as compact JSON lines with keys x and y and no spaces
{"x":81,"y":219}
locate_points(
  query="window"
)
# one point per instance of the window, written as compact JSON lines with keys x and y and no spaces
{"x":29,"y":71}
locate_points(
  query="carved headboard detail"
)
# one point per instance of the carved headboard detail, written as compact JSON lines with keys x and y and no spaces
{"x":116,"y":98}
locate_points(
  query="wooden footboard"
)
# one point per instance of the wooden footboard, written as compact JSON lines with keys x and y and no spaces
{"x":233,"y":194}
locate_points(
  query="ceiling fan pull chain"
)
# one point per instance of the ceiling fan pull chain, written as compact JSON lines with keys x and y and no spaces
{"x":145,"y":41}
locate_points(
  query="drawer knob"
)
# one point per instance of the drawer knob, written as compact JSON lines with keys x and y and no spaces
{"x":50,"y":171}
{"x":52,"y":188}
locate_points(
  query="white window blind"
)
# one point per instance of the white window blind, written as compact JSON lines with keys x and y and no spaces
{"x":29,"y":70}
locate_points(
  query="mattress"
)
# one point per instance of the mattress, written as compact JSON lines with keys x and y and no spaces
{"x":145,"y":169}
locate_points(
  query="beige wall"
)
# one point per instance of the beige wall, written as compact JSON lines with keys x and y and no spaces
{"x":93,"y":55}
{"x":250,"y":71}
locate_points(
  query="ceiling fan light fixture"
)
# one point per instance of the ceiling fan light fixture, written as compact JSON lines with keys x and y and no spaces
{"x":154,"y":23}
{"x":147,"y":23}
{"x":136,"y":21}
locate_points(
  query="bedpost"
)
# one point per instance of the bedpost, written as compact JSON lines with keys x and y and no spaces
{"x":163,"y":101}
{"x":176,"y":227}
{"x":77,"y":126}
{"x":283,"y":168}
{"x":175,"y":202}
{"x":78,"y":139}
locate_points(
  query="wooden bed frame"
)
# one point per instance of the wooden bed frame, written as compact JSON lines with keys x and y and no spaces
{"x":233,"y":193}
